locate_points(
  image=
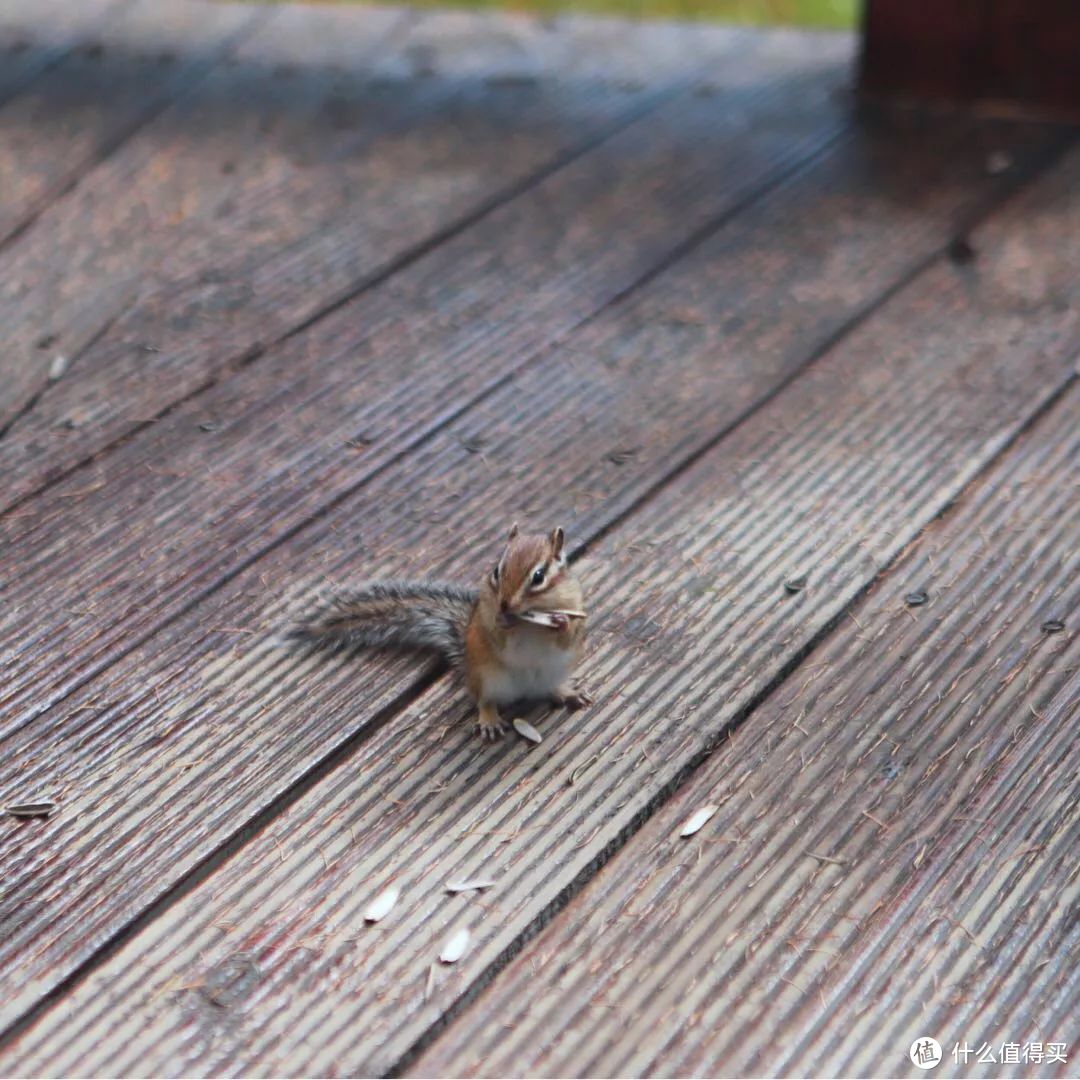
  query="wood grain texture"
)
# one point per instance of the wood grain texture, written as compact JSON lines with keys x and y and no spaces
{"x":220,"y":480}
{"x":85,"y":105}
{"x":895,"y":851}
{"x":77,"y":112}
{"x":290,"y":179}
{"x":266,"y":968}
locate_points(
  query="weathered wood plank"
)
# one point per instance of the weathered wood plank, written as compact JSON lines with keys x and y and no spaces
{"x":289,"y":181}
{"x":33,"y":37}
{"x":87,"y":104}
{"x":261,"y":969}
{"x":99,"y":94}
{"x":895,"y":851}
{"x":337,"y":404}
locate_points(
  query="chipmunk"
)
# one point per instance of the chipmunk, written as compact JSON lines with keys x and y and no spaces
{"x":519,"y":636}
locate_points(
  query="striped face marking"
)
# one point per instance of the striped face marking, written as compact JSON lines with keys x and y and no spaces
{"x":528,"y":566}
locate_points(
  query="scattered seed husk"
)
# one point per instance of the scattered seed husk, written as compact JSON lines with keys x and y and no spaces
{"x":916,"y":599}
{"x":454,"y":948}
{"x":527,"y":731}
{"x":58,"y":368}
{"x":469,"y":885}
{"x":429,"y":985}
{"x":697,"y":819}
{"x":1053,"y":626}
{"x":572,"y":778}
{"x":380,"y":907}
{"x":31,"y":809}
{"x":795,"y":584}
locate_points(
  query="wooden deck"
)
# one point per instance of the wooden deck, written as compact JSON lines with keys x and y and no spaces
{"x":299,"y":294}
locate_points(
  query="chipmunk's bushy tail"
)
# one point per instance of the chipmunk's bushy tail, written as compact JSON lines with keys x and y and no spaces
{"x":426,"y":615}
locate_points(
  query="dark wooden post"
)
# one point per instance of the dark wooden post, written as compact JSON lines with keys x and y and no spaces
{"x":1018,"y":55}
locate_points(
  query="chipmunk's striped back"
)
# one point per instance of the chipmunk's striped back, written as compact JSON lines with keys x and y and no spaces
{"x":393,"y":614}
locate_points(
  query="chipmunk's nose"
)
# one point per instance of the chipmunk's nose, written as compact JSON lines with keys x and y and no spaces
{"x":505,"y":619}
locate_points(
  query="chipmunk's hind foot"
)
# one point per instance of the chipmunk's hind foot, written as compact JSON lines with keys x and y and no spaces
{"x":490,"y":724}
{"x":571,"y":697}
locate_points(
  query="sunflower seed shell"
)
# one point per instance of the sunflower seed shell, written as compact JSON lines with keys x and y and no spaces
{"x":455,"y":947}
{"x":380,"y":907}
{"x":697,"y":819}
{"x":31,"y":809}
{"x":527,"y":731}
{"x":469,"y":885}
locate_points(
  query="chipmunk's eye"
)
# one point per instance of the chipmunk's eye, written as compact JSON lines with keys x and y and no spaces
{"x":495,"y":575}
{"x":538,"y":577}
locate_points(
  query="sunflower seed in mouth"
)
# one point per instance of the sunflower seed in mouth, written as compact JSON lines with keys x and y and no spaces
{"x":697,"y":819}
{"x":380,"y":907}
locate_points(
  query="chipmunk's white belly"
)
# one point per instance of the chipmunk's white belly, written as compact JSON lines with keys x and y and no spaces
{"x":531,"y":667}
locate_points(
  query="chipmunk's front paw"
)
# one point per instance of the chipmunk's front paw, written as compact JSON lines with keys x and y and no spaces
{"x":490,"y":725}
{"x":572,"y":697}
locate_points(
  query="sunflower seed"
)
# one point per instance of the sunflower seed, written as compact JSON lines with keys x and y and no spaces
{"x":1053,"y":626}
{"x":57,"y":368}
{"x":795,"y":584}
{"x":469,"y":885}
{"x":916,"y":599}
{"x":547,"y":619}
{"x":697,"y":819}
{"x":527,"y":731}
{"x":380,"y":907}
{"x":455,"y":947}
{"x":31,"y":809}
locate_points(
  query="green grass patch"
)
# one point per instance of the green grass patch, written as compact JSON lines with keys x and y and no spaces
{"x":831,"y":14}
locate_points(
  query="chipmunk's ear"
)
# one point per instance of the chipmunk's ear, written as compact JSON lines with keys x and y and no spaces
{"x":557,"y":537}
{"x":513,"y":532}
